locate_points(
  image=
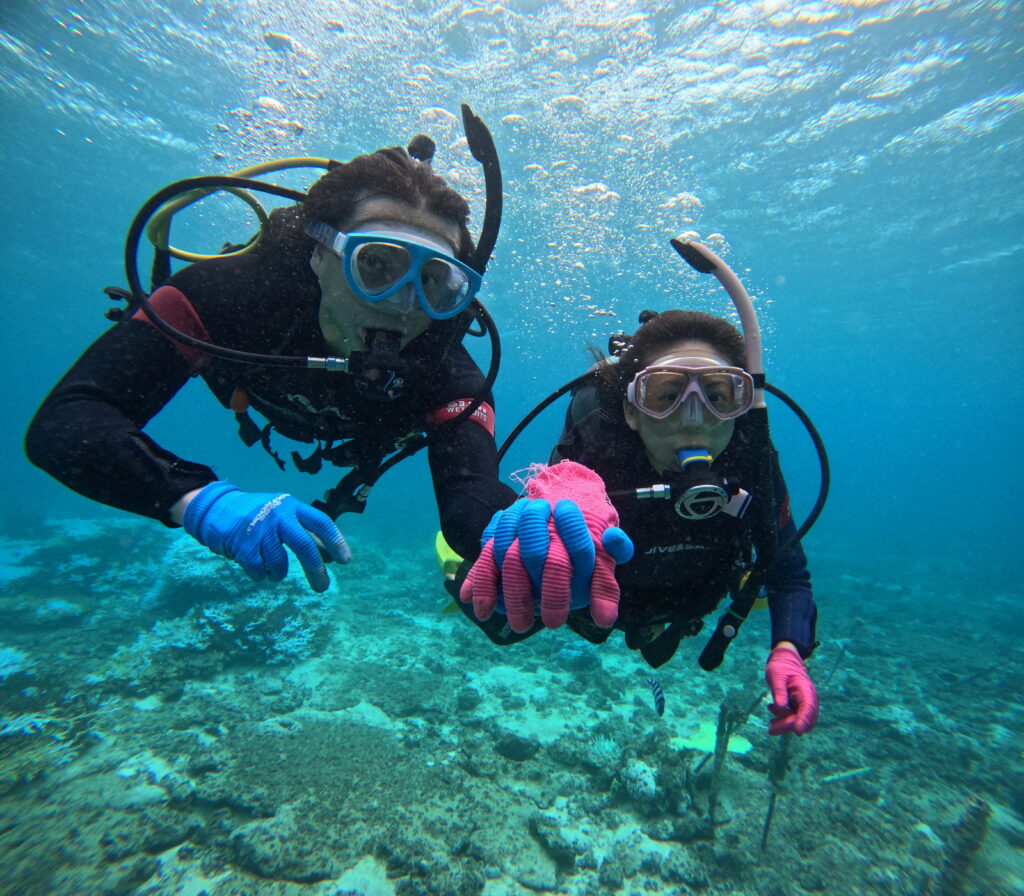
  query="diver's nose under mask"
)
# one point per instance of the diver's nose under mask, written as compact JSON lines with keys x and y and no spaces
{"x":693,"y":412}
{"x":403,"y":301}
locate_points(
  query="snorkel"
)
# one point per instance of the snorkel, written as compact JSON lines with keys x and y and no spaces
{"x":703,"y":493}
{"x":704,"y":261}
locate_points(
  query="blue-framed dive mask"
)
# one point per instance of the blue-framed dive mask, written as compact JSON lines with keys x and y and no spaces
{"x":389,"y":263}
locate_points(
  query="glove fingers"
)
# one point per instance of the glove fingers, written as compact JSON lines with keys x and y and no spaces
{"x":572,"y":529}
{"x":534,"y":539}
{"x":250,"y":559}
{"x":507,"y":530}
{"x":806,"y":700}
{"x":490,"y":528}
{"x":805,"y":719}
{"x":322,"y":526}
{"x":275,"y":557}
{"x":604,"y":593}
{"x":517,"y":590}
{"x":778,"y":679}
{"x":579,"y":544}
{"x":556,"y":584}
{"x":305,"y":550}
{"x":481,"y":586}
{"x":618,"y":544}
{"x":780,"y":726}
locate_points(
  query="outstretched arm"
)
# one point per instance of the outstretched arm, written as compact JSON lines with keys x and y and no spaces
{"x":88,"y":432}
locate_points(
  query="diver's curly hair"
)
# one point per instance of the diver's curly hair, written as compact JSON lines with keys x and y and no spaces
{"x":658,"y":332}
{"x":390,"y":172}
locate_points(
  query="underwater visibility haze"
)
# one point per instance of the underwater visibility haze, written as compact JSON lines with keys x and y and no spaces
{"x":167,"y":727}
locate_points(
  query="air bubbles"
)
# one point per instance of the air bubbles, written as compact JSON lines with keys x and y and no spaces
{"x":597,"y":191}
{"x":682,"y":201}
{"x":278,"y":41}
{"x":271,"y":105}
{"x":569,"y":103}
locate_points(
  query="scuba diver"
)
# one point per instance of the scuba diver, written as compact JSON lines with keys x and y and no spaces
{"x":662,"y":495}
{"x":341,"y":324}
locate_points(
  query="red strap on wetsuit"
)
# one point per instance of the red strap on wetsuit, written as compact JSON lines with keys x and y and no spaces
{"x":784,"y":512}
{"x":484,"y":414}
{"x":173,"y":306}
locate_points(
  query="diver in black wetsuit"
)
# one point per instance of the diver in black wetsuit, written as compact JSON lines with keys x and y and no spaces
{"x":682,"y":566}
{"x":373,"y":270}
{"x":665,"y":475}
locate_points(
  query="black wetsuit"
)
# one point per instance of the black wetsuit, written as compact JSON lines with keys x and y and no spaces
{"x":681,"y":569}
{"x":88,"y":431}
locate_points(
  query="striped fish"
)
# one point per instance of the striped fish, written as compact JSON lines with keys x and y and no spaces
{"x":659,"y":696}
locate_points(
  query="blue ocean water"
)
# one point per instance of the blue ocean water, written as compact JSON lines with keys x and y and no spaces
{"x":857,"y":163}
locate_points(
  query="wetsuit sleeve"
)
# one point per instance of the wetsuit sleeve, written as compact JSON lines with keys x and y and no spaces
{"x":464,"y":465}
{"x":790,"y":601}
{"x":88,"y":435}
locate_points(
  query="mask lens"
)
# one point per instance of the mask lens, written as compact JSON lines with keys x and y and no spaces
{"x":444,"y":286}
{"x":376,"y":267}
{"x":723,"y":392}
{"x":660,"y":392}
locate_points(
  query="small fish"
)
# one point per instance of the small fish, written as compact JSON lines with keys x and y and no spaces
{"x":659,"y":696}
{"x":842,"y":776}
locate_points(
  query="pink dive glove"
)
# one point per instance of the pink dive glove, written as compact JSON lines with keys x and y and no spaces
{"x":558,"y":547}
{"x":795,"y":701}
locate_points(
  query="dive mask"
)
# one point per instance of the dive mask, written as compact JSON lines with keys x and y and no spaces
{"x":386,"y":263}
{"x":659,"y":390}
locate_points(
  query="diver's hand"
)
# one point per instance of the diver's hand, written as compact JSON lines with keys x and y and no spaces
{"x":554,"y":550}
{"x":795,"y":701}
{"x":254,"y":530}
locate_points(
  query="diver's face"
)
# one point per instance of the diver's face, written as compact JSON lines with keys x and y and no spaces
{"x":663,"y":439}
{"x":344,"y":317}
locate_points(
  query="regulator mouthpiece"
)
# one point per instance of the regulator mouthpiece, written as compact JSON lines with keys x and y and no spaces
{"x":703,"y":495}
{"x":380,"y":370}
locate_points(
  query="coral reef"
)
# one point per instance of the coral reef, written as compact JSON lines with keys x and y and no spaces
{"x":168,"y":727}
{"x":640,"y":781}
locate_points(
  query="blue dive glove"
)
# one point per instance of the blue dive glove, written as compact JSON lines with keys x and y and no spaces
{"x":254,"y":529}
{"x":527,"y":520}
